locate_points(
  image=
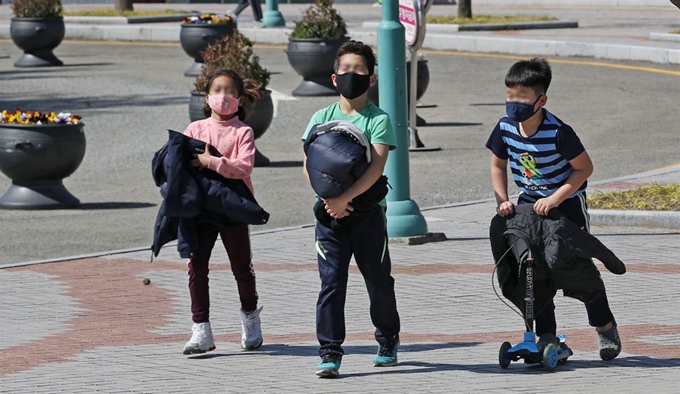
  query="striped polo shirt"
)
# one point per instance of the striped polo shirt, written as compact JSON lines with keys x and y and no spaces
{"x":540,"y":163}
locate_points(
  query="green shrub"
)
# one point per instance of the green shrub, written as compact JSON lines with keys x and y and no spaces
{"x":320,"y":20}
{"x":235,"y":53}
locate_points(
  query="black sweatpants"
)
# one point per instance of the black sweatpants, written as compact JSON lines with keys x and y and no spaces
{"x":599,"y":314}
{"x":334,"y":252}
{"x":255,"y":5}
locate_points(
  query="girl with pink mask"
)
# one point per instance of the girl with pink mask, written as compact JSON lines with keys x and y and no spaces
{"x":227,"y":96}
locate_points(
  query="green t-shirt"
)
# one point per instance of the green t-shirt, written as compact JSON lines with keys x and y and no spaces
{"x":373,"y":121}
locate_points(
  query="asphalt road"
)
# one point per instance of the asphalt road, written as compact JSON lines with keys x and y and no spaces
{"x":129,"y":94}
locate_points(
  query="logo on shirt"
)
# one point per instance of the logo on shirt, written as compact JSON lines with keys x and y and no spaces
{"x":530,"y":170}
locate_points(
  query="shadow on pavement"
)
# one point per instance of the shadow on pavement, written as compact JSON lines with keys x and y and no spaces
{"x":636,"y":234}
{"x":101,"y":102}
{"x":451,"y":124}
{"x":312,"y":350}
{"x":286,"y":164}
{"x":94,"y":206}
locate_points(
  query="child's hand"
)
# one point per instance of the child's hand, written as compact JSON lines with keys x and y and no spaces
{"x":338,"y":207}
{"x":544,"y":205}
{"x":505,"y":208}
{"x":203,"y":159}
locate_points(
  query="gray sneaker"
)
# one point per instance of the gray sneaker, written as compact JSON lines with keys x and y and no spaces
{"x":610,"y":343}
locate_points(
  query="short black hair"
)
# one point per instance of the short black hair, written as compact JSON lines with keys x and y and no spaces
{"x":535,"y":74}
{"x":357,"y":48}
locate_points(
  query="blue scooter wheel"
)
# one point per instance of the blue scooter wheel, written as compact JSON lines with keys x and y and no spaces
{"x":550,"y":357}
{"x":503,"y":358}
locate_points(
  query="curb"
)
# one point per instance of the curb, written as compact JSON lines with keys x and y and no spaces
{"x":446,"y":42}
{"x":452,"y":28}
{"x":150,"y":33}
{"x":519,"y":26}
{"x":668,"y":37}
{"x":658,"y":219}
{"x":123,"y":20}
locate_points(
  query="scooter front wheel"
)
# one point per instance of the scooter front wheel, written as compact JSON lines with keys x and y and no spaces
{"x":503,"y":358}
{"x":550,"y":357}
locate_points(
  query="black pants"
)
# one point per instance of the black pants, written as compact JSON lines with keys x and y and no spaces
{"x":254,"y":4}
{"x":599,"y":314}
{"x":335,"y":250}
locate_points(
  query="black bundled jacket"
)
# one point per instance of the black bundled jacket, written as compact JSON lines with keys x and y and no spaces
{"x":562,"y":253}
{"x":191,"y":197}
{"x":338,"y":154}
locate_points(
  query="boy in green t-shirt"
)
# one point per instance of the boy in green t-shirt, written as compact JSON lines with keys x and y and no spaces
{"x":354,"y":74}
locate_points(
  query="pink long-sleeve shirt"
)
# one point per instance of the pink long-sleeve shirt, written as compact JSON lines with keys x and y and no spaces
{"x":234,"y":140}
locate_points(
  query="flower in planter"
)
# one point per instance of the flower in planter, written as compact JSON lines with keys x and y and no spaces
{"x":36,"y":117}
{"x":210,"y":19}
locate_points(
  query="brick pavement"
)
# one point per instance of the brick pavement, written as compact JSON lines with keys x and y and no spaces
{"x":94,"y":327}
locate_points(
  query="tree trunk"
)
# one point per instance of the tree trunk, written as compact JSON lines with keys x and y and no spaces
{"x":465,"y":8}
{"x":123,"y":5}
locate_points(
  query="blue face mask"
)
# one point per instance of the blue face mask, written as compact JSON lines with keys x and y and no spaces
{"x":520,"y":112}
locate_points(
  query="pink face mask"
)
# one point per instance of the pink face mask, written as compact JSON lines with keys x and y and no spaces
{"x":222,"y":104}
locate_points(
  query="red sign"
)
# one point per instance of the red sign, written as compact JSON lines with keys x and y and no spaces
{"x":407,"y":17}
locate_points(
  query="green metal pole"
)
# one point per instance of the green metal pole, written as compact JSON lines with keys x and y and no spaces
{"x":272,"y":17}
{"x":403,"y":215}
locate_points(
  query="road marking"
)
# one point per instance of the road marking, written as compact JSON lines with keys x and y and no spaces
{"x":279,"y":96}
{"x":558,"y":60}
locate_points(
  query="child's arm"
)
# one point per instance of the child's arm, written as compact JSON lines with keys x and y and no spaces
{"x":499,"y":180}
{"x":304,"y":168}
{"x":239,"y":167}
{"x":583,"y":168}
{"x":339,"y":206}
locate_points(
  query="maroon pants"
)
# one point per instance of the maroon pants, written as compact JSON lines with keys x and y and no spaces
{"x":237,"y":243}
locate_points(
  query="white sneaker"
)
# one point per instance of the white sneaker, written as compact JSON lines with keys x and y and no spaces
{"x":201,"y":339}
{"x":252,"y":332}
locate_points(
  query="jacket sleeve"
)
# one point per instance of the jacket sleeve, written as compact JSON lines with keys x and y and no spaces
{"x":577,"y":242}
{"x":241,"y":166}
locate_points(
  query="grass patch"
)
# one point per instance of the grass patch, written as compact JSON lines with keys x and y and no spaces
{"x":674,"y":32}
{"x":107,"y":12}
{"x":454,"y":20}
{"x":647,"y":198}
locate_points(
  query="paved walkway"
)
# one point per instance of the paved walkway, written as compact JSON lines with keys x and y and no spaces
{"x":91,"y":325}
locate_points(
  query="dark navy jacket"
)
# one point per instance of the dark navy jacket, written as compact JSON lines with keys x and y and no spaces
{"x":191,"y":197}
{"x":562,"y":253}
{"x":338,"y":154}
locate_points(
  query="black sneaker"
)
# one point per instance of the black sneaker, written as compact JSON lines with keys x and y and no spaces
{"x":610,"y":343}
{"x":546,"y":339}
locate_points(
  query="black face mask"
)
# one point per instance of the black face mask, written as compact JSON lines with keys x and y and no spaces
{"x":352,"y":85}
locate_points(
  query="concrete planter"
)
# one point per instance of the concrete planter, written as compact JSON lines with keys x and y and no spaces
{"x":194,"y":38}
{"x":37,"y":37}
{"x":37,"y":158}
{"x":312,"y":59}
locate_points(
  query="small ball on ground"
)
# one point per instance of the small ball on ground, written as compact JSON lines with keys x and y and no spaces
{"x":147,"y":281}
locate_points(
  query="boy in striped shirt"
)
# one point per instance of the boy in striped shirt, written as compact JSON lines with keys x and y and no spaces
{"x":551,"y":167}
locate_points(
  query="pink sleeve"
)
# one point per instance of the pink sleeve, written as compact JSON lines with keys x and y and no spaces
{"x":191,"y":130}
{"x":241,"y":166}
